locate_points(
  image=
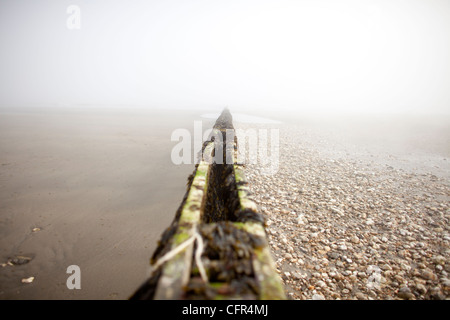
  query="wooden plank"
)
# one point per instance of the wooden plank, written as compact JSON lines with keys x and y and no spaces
{"x":176,"y":272}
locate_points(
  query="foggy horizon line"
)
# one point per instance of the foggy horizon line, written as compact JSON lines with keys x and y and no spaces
{"x":233,"y":109}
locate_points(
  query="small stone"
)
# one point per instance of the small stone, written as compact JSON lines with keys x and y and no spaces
{"x":321,"y":284}
{"x":296,"y":276}
{"x":385,"y":267}
{"x":317,"y":297}
{"x":421,"y":288}
{"x":362,"y":274}
{"x":388,"y":273}
{"x":304,"y":239}
{"x":400,"y":279}
{"x":355,"y":239}
{"x":439,"y":260}
{"x":18,"y":260}
{"x":28,"y":280}
{"x":361,"y":296}
{"x":446,"y":283}
{"x":428,"y":274}
{"x":333,"y":255}
{"x":405,"y":293}
{"x":436,"y":293}
{"x":288,"y":256}
{"x":421,"y":266}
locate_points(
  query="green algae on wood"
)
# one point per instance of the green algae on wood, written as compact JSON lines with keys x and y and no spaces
{"x":176,"y":272}
{"x":270,"y":282}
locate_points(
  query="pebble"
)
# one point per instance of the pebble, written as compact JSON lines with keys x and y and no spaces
{"x":361,"y":296}
{"x":321,"y":284}
{"x":333,"y":255}
{"x":428,"y":274}
{"x":421,"y":288}
{"x":446,"y":283}
{"x":354,"y":239}
{"x":440,"y":260}
{"x":436,"y":293}
{"x":18,"y":260}
{"x":28,"y":280}
{"x":405,"y":293}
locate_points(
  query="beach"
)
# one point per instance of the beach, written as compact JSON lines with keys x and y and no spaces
{"x":357,"y":209}
{"x":92,"y":187}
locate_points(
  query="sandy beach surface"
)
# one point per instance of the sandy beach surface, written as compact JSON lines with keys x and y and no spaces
{"x":359,"y":206}
{"x":88,"y":187}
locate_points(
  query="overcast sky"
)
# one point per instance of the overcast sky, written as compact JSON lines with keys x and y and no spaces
{"x":304,"y":55}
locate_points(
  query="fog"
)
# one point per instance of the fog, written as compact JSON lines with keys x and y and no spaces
{"x":338,"y":56}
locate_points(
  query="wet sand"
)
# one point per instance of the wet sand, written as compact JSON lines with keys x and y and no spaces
{"x":100,"y":186}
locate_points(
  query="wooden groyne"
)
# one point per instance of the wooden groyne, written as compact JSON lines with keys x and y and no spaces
{"x":216,"y":246}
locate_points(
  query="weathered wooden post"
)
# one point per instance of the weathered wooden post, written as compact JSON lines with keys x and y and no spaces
{"x":216,"y":246}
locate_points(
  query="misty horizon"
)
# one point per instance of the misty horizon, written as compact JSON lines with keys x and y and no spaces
{"x":321,"y":56}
